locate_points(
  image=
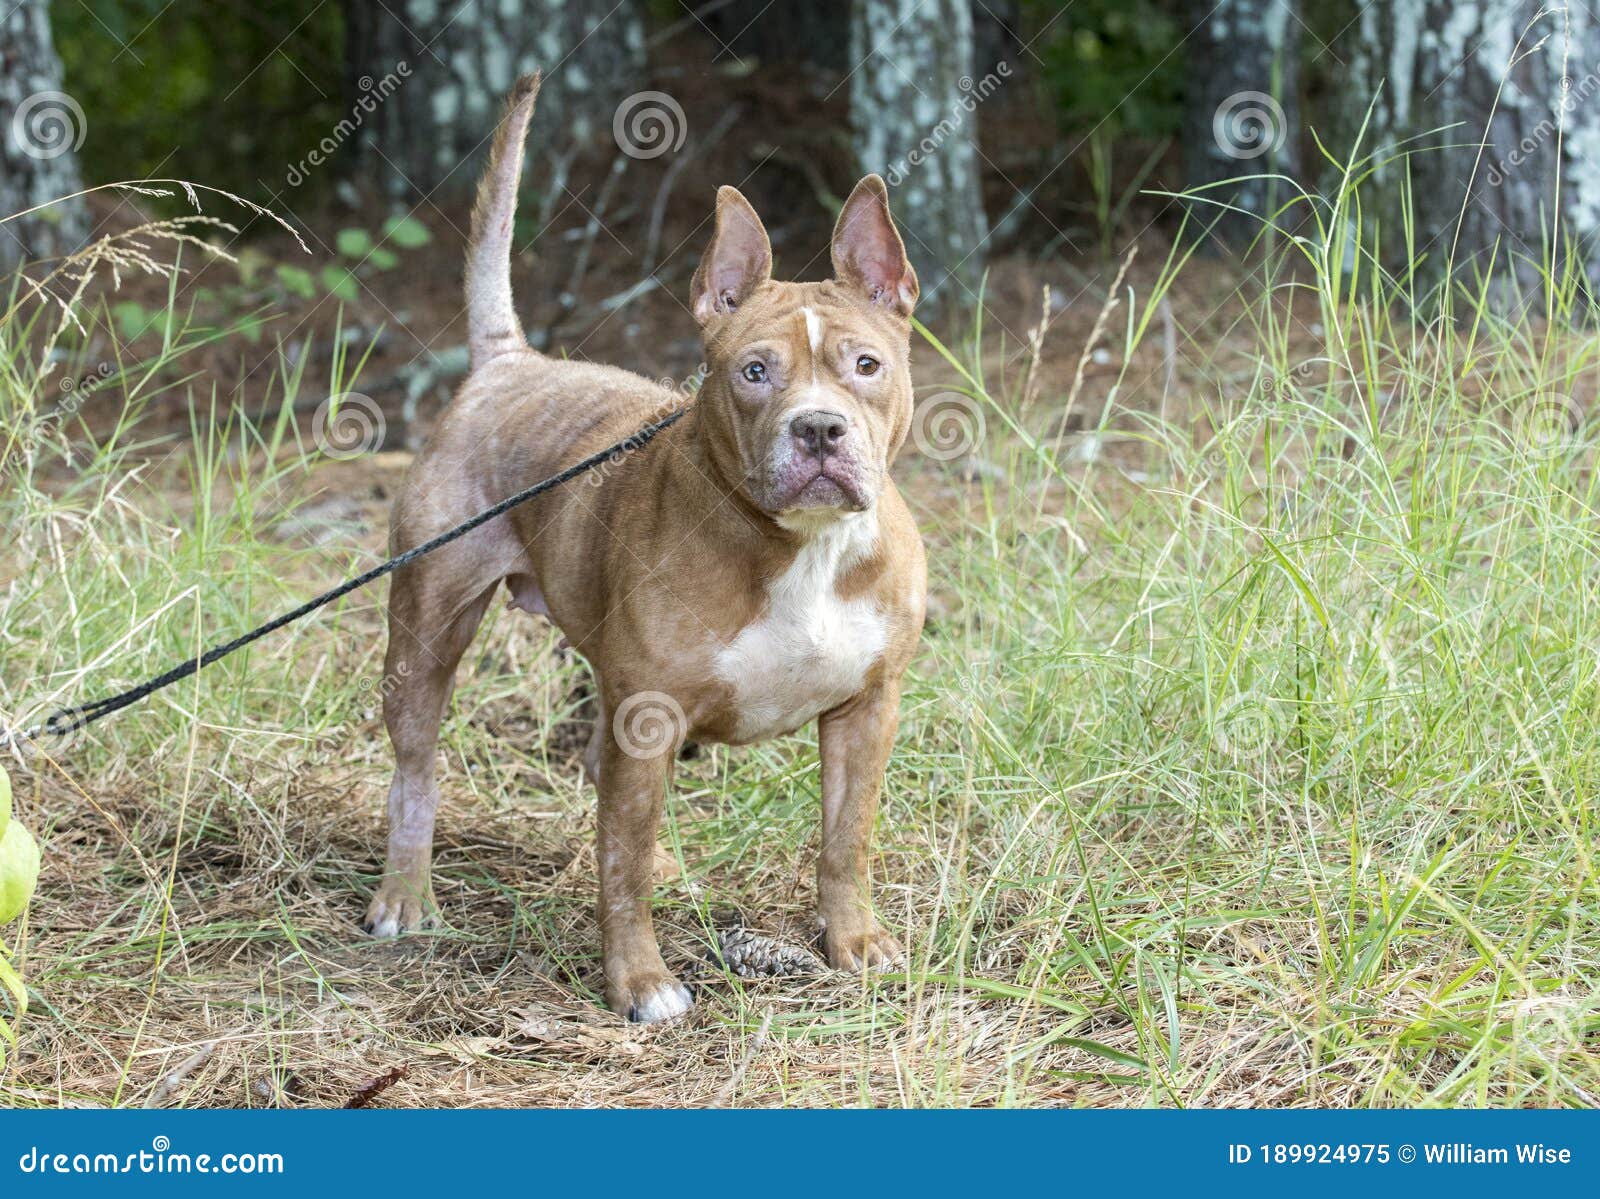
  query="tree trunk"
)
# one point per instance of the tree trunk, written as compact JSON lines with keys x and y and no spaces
{"x":1242,"y":97}
{"x":41,"y":128}
{"x":1524,"y":158}
{"x":430,"y":79}
{"x":997,"y":34}
{"x":914,"y":111}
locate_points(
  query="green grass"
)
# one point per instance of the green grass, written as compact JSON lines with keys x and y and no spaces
{"x":1250,"y":757}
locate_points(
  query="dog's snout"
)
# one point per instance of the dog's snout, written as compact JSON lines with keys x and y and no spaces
{"x":819,"y":431}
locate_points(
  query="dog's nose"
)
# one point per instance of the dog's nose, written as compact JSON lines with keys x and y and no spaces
{"x":818,"y":431}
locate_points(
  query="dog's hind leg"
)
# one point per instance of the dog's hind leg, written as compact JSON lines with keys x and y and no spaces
{"x":430,"y":626}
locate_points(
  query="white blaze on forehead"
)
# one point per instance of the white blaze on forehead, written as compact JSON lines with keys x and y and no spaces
{"x":814,"y":335}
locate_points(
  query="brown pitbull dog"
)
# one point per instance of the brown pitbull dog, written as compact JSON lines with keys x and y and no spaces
{"x":752,"y":570}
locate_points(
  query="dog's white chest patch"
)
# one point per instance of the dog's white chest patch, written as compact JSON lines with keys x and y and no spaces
{"x":810,"y":650}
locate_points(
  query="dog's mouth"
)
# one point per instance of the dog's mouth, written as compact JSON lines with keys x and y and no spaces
{"x":826,"y":484}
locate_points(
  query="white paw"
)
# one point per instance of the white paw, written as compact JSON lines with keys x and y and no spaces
{"x":395,"y":909}
{"x":657,"y":1000}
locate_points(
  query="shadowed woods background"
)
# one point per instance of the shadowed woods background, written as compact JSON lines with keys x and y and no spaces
{"x":1006,"y":129}
{"x":1250,"y":752}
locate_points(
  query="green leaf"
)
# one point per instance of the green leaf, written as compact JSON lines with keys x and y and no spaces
{"x":5,"y":799}
{"x":383,"y":260}
{"x":131,"y":317}
{"x":1099,"y":1050}
{"x":353,"y":243}
{"x":19,"y":870}
{"x":339,"y":283}
{"x":297,"y":281}
{"x":406,"y":232}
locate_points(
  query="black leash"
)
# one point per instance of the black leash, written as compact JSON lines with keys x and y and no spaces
{"x":67,"y":720}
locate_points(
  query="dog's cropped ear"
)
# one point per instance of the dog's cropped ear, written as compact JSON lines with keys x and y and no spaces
{"x":868,"y":254}
{"x":738,"y":260}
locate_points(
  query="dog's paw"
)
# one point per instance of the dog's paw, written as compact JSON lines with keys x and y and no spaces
{"x":650,"y":998}
{"x":860,"y":950}
{"x":397,"y":908}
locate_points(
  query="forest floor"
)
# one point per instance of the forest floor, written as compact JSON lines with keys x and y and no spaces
{"x":1249,"y":758}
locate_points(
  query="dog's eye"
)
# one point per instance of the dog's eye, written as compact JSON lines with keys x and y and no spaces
{"x":755,"y":372}
{"x":866,"y":365}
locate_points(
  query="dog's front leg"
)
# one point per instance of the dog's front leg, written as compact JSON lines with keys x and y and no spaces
{"x":855,"y":740}
{"x":632,"y":792}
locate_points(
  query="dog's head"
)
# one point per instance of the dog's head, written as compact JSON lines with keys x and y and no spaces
{"x":807,"y":395}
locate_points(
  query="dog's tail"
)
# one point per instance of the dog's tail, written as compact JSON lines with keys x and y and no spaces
{"x":492,"y":325}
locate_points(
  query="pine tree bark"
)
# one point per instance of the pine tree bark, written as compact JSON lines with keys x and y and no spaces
{"x":1519,"y":83}
{"x":41,"y":128}
{"x":1242,"y":100}
{"x":432,"y":130}
{"x":914,"y":112}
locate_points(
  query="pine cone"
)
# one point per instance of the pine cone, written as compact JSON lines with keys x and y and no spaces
{"x":750,"y":954}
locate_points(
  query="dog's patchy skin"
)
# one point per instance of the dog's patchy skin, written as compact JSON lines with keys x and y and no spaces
{"x":755,"y":565}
